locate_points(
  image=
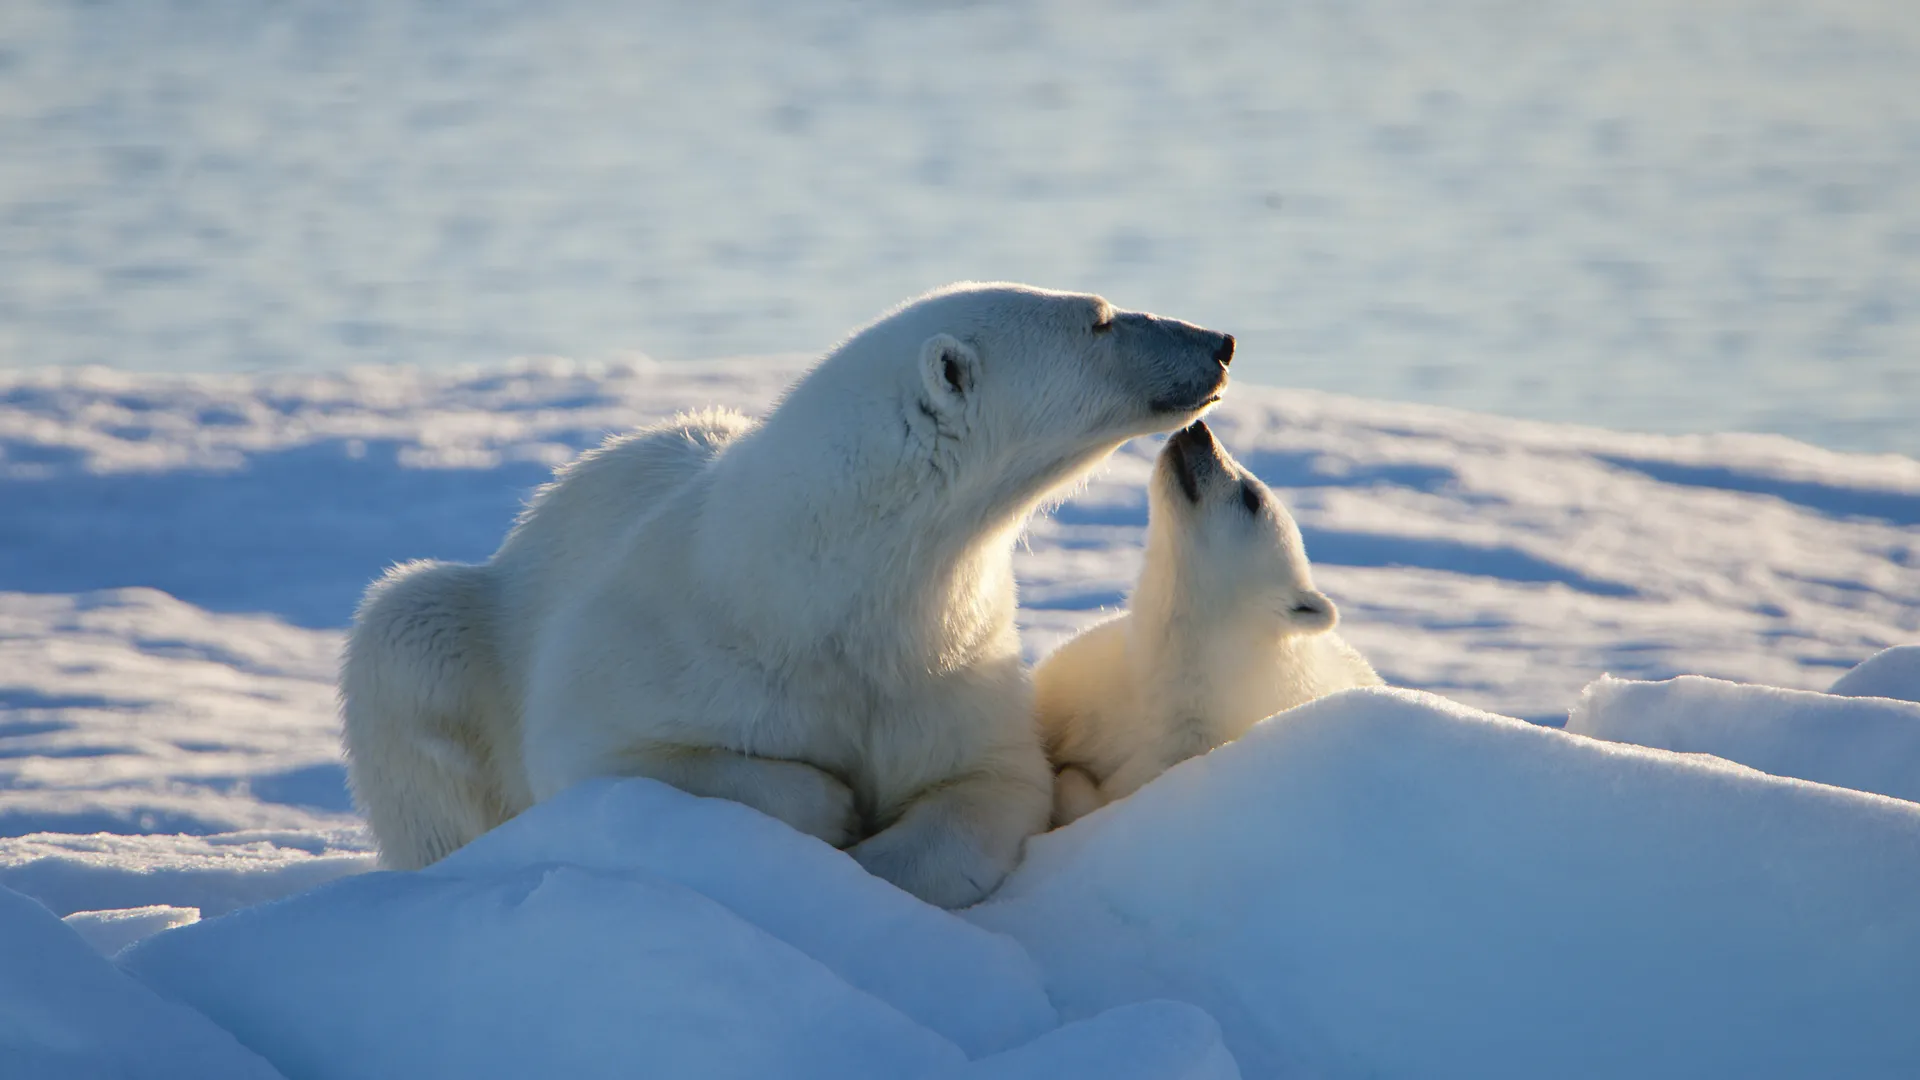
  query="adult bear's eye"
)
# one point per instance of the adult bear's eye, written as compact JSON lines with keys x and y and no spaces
{"x":1249,"y":498}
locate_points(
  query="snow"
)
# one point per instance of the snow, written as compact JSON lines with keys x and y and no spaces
{"x":1381,"y":884}
{"x":111,"y":931}
{"x":1640,"y":213}
{"x":976,"y":989}
{"x":1502,"y":562}
{"x":544,"y":970}
{"x":126,"y":710}
{"x":1891,"y":673}
{"x":1385,"y":883}
{"x":214,"y":874}
{"x":68,"y":1014}
{"x":1867,"y":743}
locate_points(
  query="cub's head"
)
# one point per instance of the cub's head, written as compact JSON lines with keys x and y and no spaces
{"x":1221,"y":546}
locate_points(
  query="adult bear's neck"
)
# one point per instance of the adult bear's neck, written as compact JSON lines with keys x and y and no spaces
{"x":853,"y":543}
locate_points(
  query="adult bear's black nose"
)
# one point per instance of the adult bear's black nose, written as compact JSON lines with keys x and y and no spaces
{"x":1224,"y":354}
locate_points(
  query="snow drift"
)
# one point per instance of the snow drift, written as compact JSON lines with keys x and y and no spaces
{"x":1385,"y":883}
{"x":548,"y":970}
{"x":1866,"y":743}
{"x":68,"y":1014}
{"x":626,"y":928}
{"x":973,"y":987}
{"x":1379,"y":883}
{"x":1889,"y":673}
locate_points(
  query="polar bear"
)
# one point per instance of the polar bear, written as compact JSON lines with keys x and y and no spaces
{"x":811,"y":615}
{"x":1223,"y":629}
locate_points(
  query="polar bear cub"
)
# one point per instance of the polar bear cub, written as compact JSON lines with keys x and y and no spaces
{"x":811,"y":615}
{"x":1223,"y":629}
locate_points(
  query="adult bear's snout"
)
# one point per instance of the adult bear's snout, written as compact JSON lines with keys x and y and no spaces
{"x":1182,"y":366}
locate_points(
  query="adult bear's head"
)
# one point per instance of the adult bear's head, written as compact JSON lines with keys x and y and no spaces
{"x":1034,"y":360}
{"x":992,"y":395}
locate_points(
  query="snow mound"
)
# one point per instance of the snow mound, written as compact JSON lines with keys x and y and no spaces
{"x":1889,"y":673}
{"x":1866,"y":743}
{"x":110,"y":931}
{"x":68,"y":1014}
{"x":544,"y":971}
{"x":978,"y":989}
{"x":1386,"y":883}
{"x":627,"y":928}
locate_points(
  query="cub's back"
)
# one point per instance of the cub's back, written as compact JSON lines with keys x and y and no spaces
{"x":1083,"y":694}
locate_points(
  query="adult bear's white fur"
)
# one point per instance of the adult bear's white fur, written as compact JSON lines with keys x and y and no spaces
{"x":1224,"y":629}
{"x":812,"y":615}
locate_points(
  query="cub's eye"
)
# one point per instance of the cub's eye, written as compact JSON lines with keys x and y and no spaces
{"x":1249,"y":498}
{"x":1105,"y":324}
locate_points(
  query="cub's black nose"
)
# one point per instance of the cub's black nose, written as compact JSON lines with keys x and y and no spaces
{"x":1194,"y":434}
{"x":1224,"y":354}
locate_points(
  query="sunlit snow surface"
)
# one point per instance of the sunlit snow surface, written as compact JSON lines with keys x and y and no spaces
{"x":178,"y":555}
{"x":1646,"y":214}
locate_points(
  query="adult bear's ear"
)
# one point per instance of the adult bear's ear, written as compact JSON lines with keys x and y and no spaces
{"x":949,"y":368}
{"x":1312,"y":612}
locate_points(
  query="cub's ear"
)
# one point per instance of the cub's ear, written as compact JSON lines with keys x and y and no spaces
{"x":949,"y":367}
{"x":1312,"y":612}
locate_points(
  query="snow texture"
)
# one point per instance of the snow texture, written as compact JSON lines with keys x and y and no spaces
{"x":214,"y":874}
{"x":111,"y":931}
{"x":68,"y":1014}
{"x":1640,"y":213}
{"x":1385,"y":883}
{"x":1890,"y":673}
{"x":546,"y":970}
{"x":1867,"y":743}
{"x":975,"y":988}
{"x":1375,"y":884}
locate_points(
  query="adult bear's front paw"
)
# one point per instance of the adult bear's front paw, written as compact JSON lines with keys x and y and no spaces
{"x":810,"y":800}
{"x":929,"y":859}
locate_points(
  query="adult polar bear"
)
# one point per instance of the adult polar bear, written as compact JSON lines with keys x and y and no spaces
{"x":812,"y":615}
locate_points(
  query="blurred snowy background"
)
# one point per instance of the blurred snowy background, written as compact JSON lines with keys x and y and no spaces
{"x":1640,"y":214}
{"x":290,"y":291}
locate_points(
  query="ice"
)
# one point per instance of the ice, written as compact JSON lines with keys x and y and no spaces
{"x":978,"y":989}
{"x":1892,"y":673}
{"x":111,"y":931}
{"x":542,"y":971}
{"x":1868,"y":743}
{"x":1385,"y":883}
{"x":68,"y":1014}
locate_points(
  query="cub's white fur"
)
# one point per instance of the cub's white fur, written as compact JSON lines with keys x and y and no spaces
{"x":1223,"y":629}
{"x":812,"y":615}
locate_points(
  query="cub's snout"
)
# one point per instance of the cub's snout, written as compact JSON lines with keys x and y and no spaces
{"x":1191,"y":458}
